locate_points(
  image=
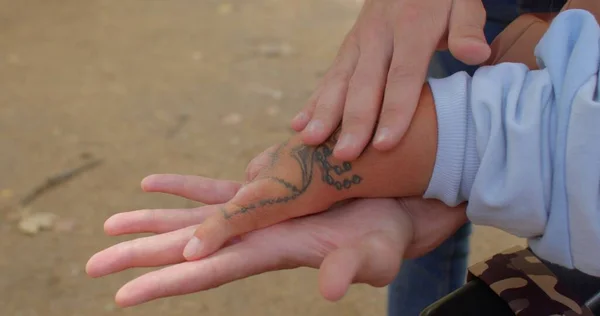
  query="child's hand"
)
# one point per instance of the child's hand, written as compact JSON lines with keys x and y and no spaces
{"x":361,"y":241}
{"x":295,"y":179}
{"x":285,"y":181}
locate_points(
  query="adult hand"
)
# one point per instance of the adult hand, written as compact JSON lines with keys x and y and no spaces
{"x":381,"y":66}
{"x":361,"y":241}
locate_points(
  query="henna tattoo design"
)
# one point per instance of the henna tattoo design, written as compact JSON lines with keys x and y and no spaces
{"x":306,"y":157}
{"x":276,"y":154}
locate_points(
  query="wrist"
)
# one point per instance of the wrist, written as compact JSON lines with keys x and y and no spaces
{"x":405,"y":170}
{"x":456,"y":160}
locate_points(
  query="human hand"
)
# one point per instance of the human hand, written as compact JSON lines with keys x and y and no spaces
{"x":293,"y":180}
{"x":380,"y":69}
{"x":361,"y":241}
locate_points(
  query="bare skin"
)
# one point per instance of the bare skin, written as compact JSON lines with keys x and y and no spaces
{"x":362,"y":241}
{"x":342,"y":241}
{"x":301,"y":180}
{"x":375,"y":80}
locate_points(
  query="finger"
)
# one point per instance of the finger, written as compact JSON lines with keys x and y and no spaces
{"x":363,"y":101}
{"x":233,"y":263}
{"x":408,"y":67}
{"x":150,"y":251}
{"x":257,"y":205}
{"x":200,"y":189}
{"x":330,"y":103}
{"x":437,"y":222}
{"x":466,"y":39}
{"x":260,"y":162}
{"x":301,"y":119}
{"x":156,"y":221}
{"x":329,"y":109}
{"x":374,"y":260}
{"x":231,"y":220}
{"x":443,"y":43}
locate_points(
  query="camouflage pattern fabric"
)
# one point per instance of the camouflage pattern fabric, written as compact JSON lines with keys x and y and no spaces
{"x":527,"y":285}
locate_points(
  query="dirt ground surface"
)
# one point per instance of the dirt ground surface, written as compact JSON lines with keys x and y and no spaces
{"x":182,"y":86}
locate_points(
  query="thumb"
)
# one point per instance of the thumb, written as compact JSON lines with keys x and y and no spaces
{"x":260,"y":162}
{"x":375,"y":259}
{"x":466,"y":39}
{"x":256,"y":205}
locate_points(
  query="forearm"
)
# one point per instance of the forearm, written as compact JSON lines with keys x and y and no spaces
{"x":523,"y":150}
{"x":312,"y":172}
{"x":406,"y":169}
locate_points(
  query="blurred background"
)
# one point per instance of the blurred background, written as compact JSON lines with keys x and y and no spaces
{"x":181,"y":86}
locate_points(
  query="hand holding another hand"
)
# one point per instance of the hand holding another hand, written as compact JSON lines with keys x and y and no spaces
{"x":361,"y":241}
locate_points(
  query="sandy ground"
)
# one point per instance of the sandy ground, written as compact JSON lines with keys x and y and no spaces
{"x":196,"y":87}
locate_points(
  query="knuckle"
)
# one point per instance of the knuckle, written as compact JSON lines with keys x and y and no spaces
{"x":215,"y":271}
{"x":242,"y":223}
{"x":151,"y":217}
{"x":373,"y":29}
{"x":349,"y":42}
{"x":252,"y":171}
{"x":391,"y":110}
{"x":131,"y":250}
{"x":375,"y":33}
{"x":325,"y":110}
{"x":470,"y":12}
{"x":367,"y":79}
{"x":401,"y":72}
{"x":329,"y":110}
{"x":160,"y":289}
{"x":427,"y":16}
{"x":360,"y":81}
{"x":354,"y":118}
{"x":338,"y":75}
{"x":476,"y":22}
{"x":412,"y":12}
{"x":144,"y":219}
{"x":229,"y":189}
{"x":367,"y":112}
{"x":467,"y":29}
{"x":310,"y":103}
{"x":418,"y":12}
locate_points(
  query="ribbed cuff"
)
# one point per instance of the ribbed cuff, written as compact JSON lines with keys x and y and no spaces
{"x":450,"y":95}
{"x":471,"y":160}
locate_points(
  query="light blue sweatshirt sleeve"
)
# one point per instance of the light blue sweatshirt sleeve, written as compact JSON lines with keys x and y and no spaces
{"x":523,"y":147}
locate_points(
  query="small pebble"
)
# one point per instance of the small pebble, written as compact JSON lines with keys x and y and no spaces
{"x":273,"y":110}
{"x":234,"y":141}
{"x":110,"y":307}
{"x":275,"y":49}
{"x":197,"y":56}
{"x":232,"y":119}
{"x":75,"y":270}
{"x":32,"y":224}
{"x":224,"y":8}
{"x":267,"y":91}
{"x":6,"y":193}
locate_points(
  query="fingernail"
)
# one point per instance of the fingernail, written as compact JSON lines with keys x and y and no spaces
{"x":346,"y":140}
{"x":300,"y":117}
{"x":193,"y":248}
{"x":314,"y":127}
{"x":382,"y":135}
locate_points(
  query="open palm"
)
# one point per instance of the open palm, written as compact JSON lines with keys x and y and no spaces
{"x":358,"y":241}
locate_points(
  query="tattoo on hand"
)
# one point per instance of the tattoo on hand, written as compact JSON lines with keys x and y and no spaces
{"x":306,"y":157}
